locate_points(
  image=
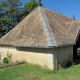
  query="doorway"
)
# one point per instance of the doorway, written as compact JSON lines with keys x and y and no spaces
{"x":76,"y":50}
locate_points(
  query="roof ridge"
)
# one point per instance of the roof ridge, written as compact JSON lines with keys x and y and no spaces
{"x":50,"y":39}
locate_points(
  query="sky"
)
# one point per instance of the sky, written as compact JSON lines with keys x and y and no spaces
{"x":66,"y":7}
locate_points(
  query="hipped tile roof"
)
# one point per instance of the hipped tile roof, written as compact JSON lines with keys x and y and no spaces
{"x":43,"y":28}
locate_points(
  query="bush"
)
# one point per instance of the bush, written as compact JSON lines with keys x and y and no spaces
{"x":5,"y":60}
{"x":9,"y":56}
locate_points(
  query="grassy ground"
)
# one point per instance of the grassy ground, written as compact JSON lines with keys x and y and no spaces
{"x":78,"y":49}
{"x":30,"y":72}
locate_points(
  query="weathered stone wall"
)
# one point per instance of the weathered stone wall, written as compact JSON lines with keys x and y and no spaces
{"x":65,"y":56}
{"x":50,"y":58}
{"x":40,"y":56}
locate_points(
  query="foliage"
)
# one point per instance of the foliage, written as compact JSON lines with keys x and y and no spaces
{"x":5,"y":60}
{"x":31,"y":5}
{"x":8,"y":59}
{"x":28,"y":7}
{"x":9,"y":56}
{"x":2,"y":21}
{"x":9,"y":15}
{"x":78,"y":49}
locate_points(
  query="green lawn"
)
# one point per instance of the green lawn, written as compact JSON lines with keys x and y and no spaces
{"x":30,"y":72}
{"x":78,"y":49}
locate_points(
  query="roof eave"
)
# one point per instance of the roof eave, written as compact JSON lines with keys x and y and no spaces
{"x":71,"y":44}
{"x":33,"y":46}
{"x":64,"y":45}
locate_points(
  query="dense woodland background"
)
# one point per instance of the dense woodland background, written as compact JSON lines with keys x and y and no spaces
{"x":12,"y":12}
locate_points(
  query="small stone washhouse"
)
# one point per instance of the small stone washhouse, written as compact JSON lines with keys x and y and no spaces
{"x":44,"y":37}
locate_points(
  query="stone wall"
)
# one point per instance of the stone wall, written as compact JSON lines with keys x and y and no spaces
{"x":45,"y":57}
{"x":40,"y":56}
{"x":65,"y":56}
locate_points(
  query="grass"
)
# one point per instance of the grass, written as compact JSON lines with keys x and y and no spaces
{"x":78,"y":49}
{"x":31,"y":72}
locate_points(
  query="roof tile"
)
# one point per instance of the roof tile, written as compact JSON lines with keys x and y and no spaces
{"x":31,"y":31}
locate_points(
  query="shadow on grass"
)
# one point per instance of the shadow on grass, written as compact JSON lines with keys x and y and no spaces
{"x":76,"y":61}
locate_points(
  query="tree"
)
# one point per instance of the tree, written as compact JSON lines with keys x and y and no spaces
{"x":29,"y":6}
{"x":10,"y":14}
{"x":3,"y":28}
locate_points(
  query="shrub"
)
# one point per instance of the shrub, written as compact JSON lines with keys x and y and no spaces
{"x":9,"y":56}
{"x":5,"y":60}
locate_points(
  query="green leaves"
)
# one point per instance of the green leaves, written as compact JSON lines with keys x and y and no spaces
{"x":28,"y":7}
{"x":9,"y":11}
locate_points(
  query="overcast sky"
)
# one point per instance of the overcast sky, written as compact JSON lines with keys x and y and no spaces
{"x":66,"y":7}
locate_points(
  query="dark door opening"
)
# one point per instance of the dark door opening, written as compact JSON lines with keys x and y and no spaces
{"x":76,"y":48}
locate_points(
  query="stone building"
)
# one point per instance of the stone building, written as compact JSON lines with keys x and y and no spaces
{"x":44,"y":37}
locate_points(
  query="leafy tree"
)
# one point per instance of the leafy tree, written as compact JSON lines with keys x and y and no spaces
{"x":3,"y":28}
{"x":10,"y":14}
{"x":29,"y":6}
